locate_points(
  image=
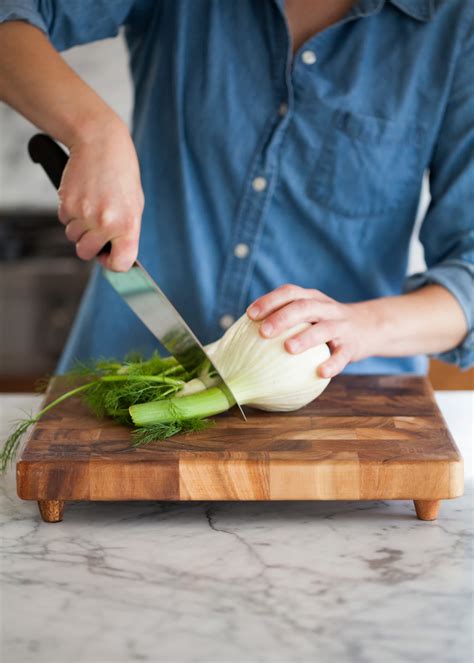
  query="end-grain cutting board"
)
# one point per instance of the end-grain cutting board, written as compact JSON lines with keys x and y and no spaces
{"x":364,"y":438}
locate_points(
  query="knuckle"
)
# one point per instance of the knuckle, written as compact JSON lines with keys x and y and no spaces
{"x":86,"y":207}
{"x":317,"y":294}
{"x":105,"y":218}
{"x":287,"y":288}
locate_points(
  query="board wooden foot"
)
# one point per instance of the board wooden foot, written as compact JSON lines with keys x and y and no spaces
{"x":427,"y":509}
{"x":51,"y":510}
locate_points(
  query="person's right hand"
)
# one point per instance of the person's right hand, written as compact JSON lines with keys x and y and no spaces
{"x":101,"y":197}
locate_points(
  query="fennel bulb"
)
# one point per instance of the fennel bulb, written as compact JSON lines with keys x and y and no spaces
{"x":262,"y":374}
{"x":259,"y":372}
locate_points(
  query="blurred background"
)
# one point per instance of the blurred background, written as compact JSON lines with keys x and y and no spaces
{"x":41,"y":280}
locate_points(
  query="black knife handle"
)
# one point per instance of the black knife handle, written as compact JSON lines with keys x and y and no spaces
{"x":45,"y":151}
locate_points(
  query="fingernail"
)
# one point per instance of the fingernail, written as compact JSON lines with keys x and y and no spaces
{"x":293,"y":345}
{"x":267,"y":328}
{"x":253,"y":311}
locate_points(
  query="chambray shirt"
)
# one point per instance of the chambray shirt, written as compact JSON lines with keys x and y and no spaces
{"x":261,"y":168}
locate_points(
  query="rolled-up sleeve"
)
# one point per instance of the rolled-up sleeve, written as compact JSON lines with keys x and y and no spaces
{"x":22,"y":11}
{"x":447,"y":232}
{"x":72,"y":22}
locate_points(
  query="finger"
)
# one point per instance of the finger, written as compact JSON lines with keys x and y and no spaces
{"x":263,"y":306}
{"x":335,"y":364}
{"x":123,"y":254}
{"x":321,"y":332}
{"x":301,"y":310}
{"x":75,"y":229}
{"x":90,"y":244}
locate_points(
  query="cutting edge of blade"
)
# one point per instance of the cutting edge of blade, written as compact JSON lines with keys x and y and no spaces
{"x":226,"y":386}
{"x":184,"y":324}
{"x":241,"y":411}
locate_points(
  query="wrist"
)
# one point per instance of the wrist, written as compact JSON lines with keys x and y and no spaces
{"x":373,"y":323}
{"x":83,"y":130}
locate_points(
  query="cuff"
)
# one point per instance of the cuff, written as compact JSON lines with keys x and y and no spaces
{"x":22,"y":11}
{"x":457,"y":276}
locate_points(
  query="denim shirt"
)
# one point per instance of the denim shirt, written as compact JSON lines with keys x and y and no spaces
{"x":261,"y":168}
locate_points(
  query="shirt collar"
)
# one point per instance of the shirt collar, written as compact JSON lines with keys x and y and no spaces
{"x":422,"y":10}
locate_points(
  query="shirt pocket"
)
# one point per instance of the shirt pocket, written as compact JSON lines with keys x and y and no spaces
{"x":366,"y":166}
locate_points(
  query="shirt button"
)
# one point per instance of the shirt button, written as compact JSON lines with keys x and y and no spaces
{"x":283,"y":109}
{"x":226,"y":321}
{"x":241,"y":250}
{"x":259,"y":184}
{"x":308,"y":57}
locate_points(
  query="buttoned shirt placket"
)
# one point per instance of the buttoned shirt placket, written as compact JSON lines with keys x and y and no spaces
{"x":258,"y":191}
{"x":262,"y":177}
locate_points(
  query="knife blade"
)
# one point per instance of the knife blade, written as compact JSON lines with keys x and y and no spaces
{"x":149,"y":303}
{"x":136,"y":287}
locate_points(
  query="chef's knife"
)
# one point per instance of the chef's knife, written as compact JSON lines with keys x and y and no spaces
{"x":136,"y":287}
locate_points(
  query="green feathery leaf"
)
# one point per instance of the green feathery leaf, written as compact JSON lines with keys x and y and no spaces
{"x":159,"y":432}
{"x":109,"y":387}
{"x":10,"y":448}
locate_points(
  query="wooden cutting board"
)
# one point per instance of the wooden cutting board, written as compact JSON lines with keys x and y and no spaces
{"x":364,"y":438}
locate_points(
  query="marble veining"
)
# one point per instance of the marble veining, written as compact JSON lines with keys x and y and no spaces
{"x":356,"y":582}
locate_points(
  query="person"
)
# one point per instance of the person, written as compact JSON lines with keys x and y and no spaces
{"x":281,"y":150}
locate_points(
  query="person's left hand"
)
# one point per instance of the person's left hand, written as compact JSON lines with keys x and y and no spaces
{"x":346,"y":328}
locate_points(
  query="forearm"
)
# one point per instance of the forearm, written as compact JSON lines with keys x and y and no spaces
{"x":100,"y":197}
{"x":37,"y":82}
{"x":426,"y":321}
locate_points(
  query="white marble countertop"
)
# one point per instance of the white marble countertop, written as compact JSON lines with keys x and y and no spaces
{"x":355,"y":582}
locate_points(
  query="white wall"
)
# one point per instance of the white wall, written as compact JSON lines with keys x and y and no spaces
{"x":416,"y":262}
